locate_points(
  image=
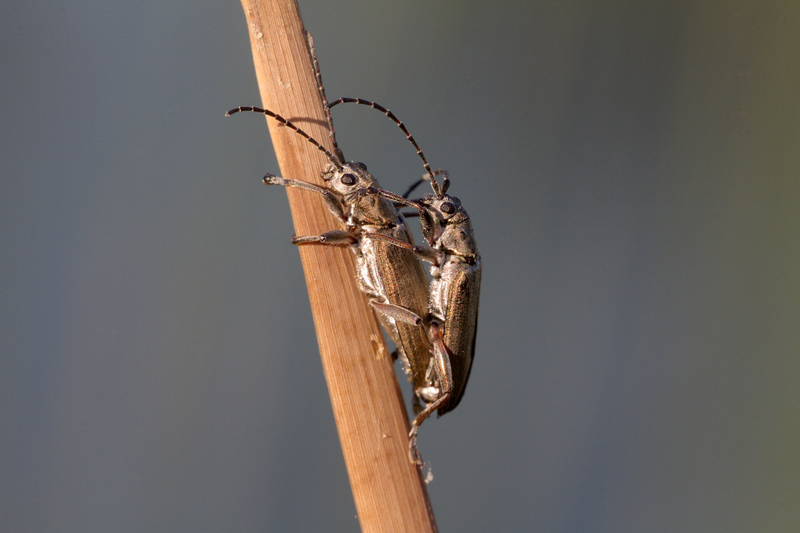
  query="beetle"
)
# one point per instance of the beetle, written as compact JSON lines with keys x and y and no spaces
{"x":453,"y":300}
{"x":388,"y":274}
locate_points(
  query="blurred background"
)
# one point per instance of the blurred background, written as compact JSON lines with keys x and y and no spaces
{"x":633,"y":175}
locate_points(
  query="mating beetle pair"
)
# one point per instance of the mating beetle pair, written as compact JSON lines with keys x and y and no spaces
{"x":433,"y":323}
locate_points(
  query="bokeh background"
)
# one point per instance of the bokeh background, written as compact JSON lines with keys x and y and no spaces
{"x":633,"y":175}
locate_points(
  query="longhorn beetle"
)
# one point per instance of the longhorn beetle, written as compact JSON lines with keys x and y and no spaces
{"x":386,"y":273}
{"x":452,"y":318}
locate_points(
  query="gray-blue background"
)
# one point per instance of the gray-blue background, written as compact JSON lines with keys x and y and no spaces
{"x":633,"y":175}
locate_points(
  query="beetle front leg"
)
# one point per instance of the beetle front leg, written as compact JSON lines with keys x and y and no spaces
{"x":373,"y":191}
{"x":331,"y":202}
{"x":335,"y":237}
{"x":425,"y":253}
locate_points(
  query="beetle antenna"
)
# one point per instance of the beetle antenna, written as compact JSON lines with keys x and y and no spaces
{"x":374,"y":105}
{"x":321,"y":88}
{"x":445,"y":180}
{"x":332,"y":158}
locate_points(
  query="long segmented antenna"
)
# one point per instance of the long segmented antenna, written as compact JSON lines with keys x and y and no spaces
{"x":332,"y":158}
{"x":434,"y":184}
{"x":321,"y":89}
{"x":426,"y":177}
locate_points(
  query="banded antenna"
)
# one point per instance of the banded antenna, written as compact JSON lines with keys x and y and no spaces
{"x":332,"y":158}
{"x":321,"y":88}
{"x":437,"y":189}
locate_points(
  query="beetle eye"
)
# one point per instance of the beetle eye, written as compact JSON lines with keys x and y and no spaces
{"x":448,"y":208}
{"x":348,"y":179}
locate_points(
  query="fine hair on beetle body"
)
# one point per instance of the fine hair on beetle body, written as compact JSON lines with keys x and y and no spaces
{"x":455,"y":266}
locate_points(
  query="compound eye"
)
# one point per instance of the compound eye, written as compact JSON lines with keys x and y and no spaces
{"x":348,"y":179}
{"x":448,"y":208}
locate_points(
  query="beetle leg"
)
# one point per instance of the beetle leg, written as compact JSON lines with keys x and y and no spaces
{"x":441,"y":359}
{"x":412,"y":435}
{"x":400,"y":314}
{"x":331,"y":202}
{"x":444,"y":377}
{"x":425,"y":253}
{"x":373,"y":191}
{"x":336,"y":237}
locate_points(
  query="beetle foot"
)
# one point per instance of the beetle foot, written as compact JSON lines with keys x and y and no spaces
{"x":413,"y":452}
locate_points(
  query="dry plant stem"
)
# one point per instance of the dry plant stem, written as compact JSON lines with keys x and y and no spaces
{"x":367,"y":403}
